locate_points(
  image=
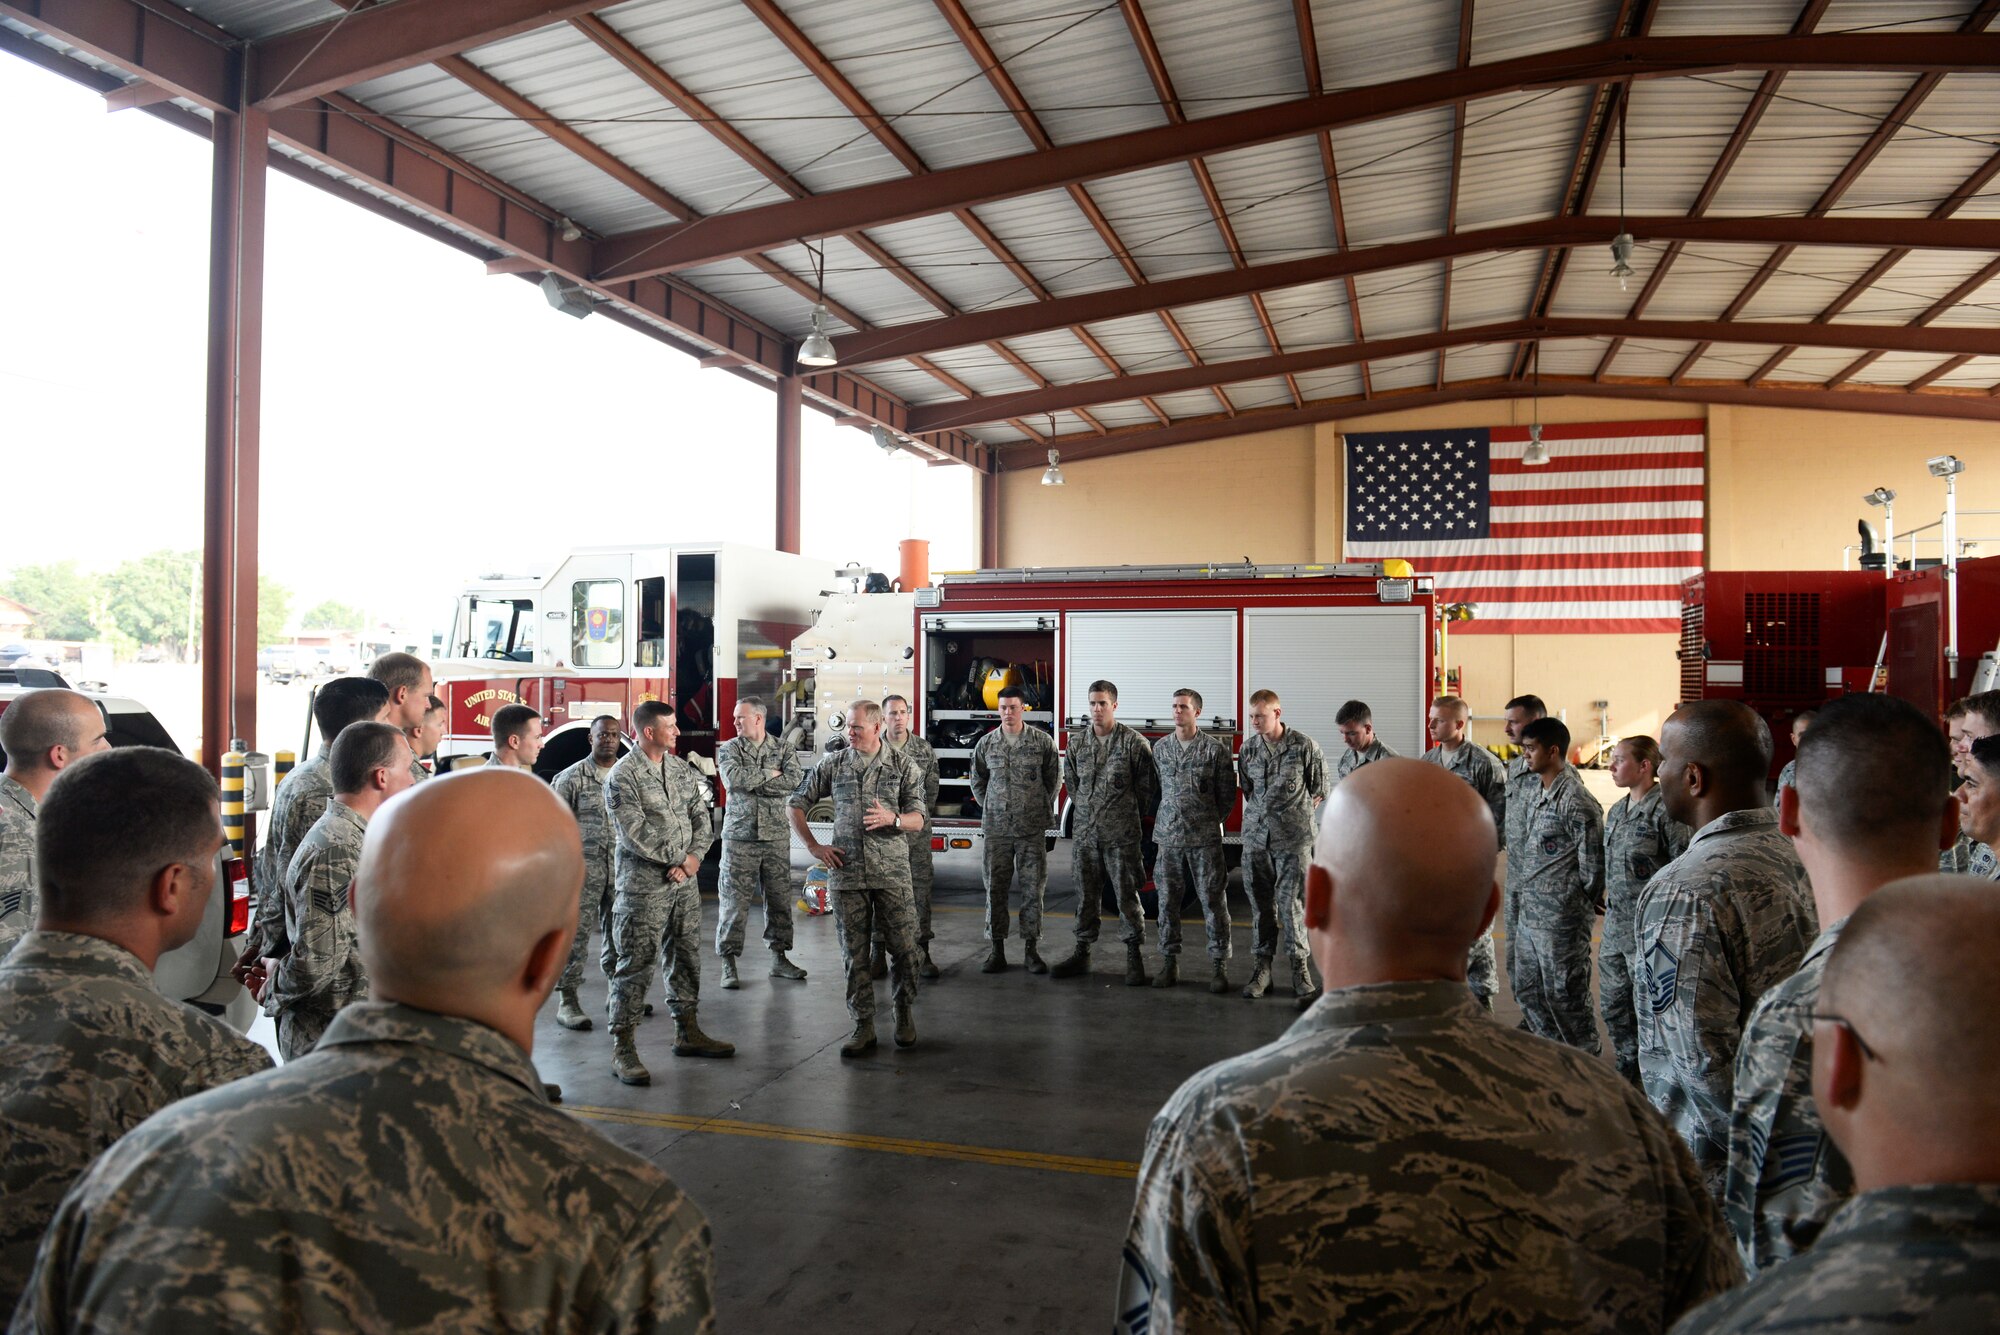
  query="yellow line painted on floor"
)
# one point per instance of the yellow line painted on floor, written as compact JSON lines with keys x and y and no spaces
{"x":922,"y":1149}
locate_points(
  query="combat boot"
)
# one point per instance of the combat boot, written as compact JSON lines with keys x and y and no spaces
{"x":553,"y":1091}
{"x":1135,"y":966}
{"x":1075,"y":964}
{"x":996,"y":958}
{"x":570,"y":1013}
{"x":878,"y":960}
{"x":1260,"y":980}
{"x":1303,"y":986}
{"x":861,"y":1040}
{"x":625,"y":1063}
{"x":1031,"y":959}
{"x":730,"y":982}
{"x":1219,"y":983}
{"x":926,"y":969}
{"x":1170,"y":971}
{"x":782,"y":967}
{"x":906,"y":1026}
{"x":689,"y":1041}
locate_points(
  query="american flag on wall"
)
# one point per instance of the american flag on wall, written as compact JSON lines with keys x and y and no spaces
{"x":1597,"y":539}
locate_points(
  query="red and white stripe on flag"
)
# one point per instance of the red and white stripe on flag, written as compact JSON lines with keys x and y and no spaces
{"x":1596,"y":540}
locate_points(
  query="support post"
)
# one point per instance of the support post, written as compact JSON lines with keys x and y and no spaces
{"x":791,"y":405}
{"x":989,"y":519}
{"x":230,"y":465}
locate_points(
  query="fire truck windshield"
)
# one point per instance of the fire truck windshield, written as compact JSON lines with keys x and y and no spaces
{"x":495,"y":628}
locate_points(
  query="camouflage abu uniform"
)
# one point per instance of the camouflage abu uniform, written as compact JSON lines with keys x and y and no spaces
{"x":1523,"y":788}
{"x":1785,"y":1176}
{"x":1785,"y":780}
{"x":756,"y":840}
{"x":1488,"y":777}
{"x":88,"y":1050}
{"x":1719,"y":926}
{"x":659,"y":818}
{"x":1399,"y":1161}
{"x":298,"y":802}
{"x":17,"y":862}
{"x":1113,"y":788}
{"x":873,"y":883}
{"x":409,"y":1175}
{"x":1639,"y":839}
{"x":323,"y":970}
{"x":1894,"y":1259}
{"x":1197,"y":792}
{"x":925,"y":757}
{"x":581,"y":787}
{"x":1282,"y":782}
{"x":1015,"y":781}
{"x":1556,"y":872}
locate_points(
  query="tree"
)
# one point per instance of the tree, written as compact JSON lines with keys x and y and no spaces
{"x":332,"y":615}
{"x":67,"y":602}
{"x":274,"y":604}
{"x":156,"y":599}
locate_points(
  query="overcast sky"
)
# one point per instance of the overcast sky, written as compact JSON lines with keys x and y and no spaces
{"x":422,"y":421}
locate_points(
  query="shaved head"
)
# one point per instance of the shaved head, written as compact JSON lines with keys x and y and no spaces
{"x":463,"y":883}
{"x":1402,"y":877}
{"x":1874,"y":777}
{"x":1912,"y":975}
{"x":38,"y":722}
{"x":1714,"y":757}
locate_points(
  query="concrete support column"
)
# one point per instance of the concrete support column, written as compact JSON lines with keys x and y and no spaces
{"x":230,"y":453}
{"x":791,"y":425}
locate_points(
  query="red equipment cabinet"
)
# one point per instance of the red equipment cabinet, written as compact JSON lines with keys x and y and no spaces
{"x":1781,"y":641}
{"x":1919,"y":621}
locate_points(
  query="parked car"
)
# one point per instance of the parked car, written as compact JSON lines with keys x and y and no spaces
{"x":198,"y":972}
{"x":152,"y":653}
{"x":289,"y":662}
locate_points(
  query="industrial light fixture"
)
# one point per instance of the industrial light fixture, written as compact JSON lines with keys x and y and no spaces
{"x":570,"y":231}
{"x":1052,"y":475}
{"x":885,"y":440}
{"x":1537,"y":453}
{"x":1945,"y":465}
{"x":569,"y":298}
{"x":817,"y":350}
{"x":1621,"y":245}
{"x":1948,"y":467}
{"x":1886,"y":499}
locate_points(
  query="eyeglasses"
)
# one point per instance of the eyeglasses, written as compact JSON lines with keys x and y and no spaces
{"x":1828,"y":1017}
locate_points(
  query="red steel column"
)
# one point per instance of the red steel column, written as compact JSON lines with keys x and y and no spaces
{"x":791,"y":406}
{"x":230,"y":472}
{"x":989,"y":519}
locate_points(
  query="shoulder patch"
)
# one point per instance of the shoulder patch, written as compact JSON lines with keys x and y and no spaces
{"x":1663,"y":971}
{"x":329,"y":900}
{"x":1790,"y":1160}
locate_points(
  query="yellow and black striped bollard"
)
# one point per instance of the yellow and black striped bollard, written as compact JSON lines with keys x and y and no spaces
{"x":232,"y":799}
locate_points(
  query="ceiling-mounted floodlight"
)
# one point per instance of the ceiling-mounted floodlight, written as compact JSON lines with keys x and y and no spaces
{"x":1621,"y":261}
{"x":885,"y":439}
{"x":1945,"y":465}
{"x":1052,"y":475}
{"x":1537,"y":453}
{"x":570,"y":231}
{"x":569,"y":298}
{"x":817,"y":350}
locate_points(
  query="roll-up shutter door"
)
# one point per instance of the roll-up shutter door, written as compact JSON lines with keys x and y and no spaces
{"x":1149,"y":656}
{"x":1317,"y":659}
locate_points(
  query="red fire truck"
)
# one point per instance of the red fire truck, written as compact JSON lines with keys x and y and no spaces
{"x":696,"y":624}
{"x":1934,"y":656}
{"x":1318,"y":635}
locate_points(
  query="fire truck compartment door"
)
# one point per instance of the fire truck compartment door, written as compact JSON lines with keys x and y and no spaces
{"x":1317,"y":658}
{"x":989,"y":621}
{"x":1149,"y":656}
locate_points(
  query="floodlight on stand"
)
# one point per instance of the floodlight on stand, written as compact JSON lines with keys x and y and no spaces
{"x":1052,"y":475}
{"x":1621,"y":261}
{"x":1945,"y":465}
{"x":817,"y":350}
{"x":569,"y":298}
{"x":1886,"y":499}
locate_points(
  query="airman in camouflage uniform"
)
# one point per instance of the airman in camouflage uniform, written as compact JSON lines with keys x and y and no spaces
{"x":43,"y":732}
{"x":1016,"y":775}
{"x":322,"y":972}
{"x":1639,"y":839}
{"x":88,"y":1050}
{"x":878,"y":798}
{"x":758,"y":772}
{"x":581,"y":788}
{"x":659,"y":817}
{"x":896,"y":735}
{"x":1284,"y":781}
{"x":1557,"y":874}
{"x":415,"y":1173}
{"x":1197,"y":793}
{"x":17,"y":862}
{"x":1718,"y":927}
{"x":1113,"y":788}
{"x":1479,"y":767}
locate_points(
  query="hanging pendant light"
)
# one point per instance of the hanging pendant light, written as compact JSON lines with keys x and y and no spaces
{"x":1621,"y":245}
{"x":817,"y":350}
{"x":1052,"y":475}
{"x":1537,"y":453}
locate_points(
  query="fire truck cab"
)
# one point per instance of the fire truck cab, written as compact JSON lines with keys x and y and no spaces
{"x":1318,"y":635}
{"x":695,"y":624}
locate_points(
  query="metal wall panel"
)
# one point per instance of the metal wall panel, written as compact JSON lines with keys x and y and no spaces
{"x":1364,"y":44}
{"x":1674,"y":133}
{"x":1518,"y":153}
{"x":1816,"y":123}
{"x":1393,"y":177}
{"x":1506,"y":29}
{"x":1317,"y":659}
{"x":1497,"y":286}
{"x":1276,"y":199}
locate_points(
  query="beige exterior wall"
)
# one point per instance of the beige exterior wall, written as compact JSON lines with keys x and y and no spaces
{"x":1785,"y":489}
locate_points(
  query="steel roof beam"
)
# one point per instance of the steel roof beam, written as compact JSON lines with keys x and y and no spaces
{"x":366,"y":44}
{"x":1330,"y":170}
{"x":1946,"y":339}
{"x":1977,"y":406}
{"x":1451,"y":184}
{"x":665,"y":249}
{"x":184,"y":55}
{"x":927,"y":336}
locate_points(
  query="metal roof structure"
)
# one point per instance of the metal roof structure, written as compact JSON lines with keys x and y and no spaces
{"x":1111,"y":225}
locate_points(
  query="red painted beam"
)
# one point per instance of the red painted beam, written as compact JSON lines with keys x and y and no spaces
{"x":1976,"y":406}
{"x":927,"y":336}
{"x":789,"y":428}
{"x":1329,"y":171}
{"x":1879,"y":338}
{"x":664,"y":249}
{"x":366,"y":44}
{"x":191,"y":59}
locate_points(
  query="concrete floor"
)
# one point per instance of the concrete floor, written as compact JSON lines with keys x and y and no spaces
{"x":980,"y":1181}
